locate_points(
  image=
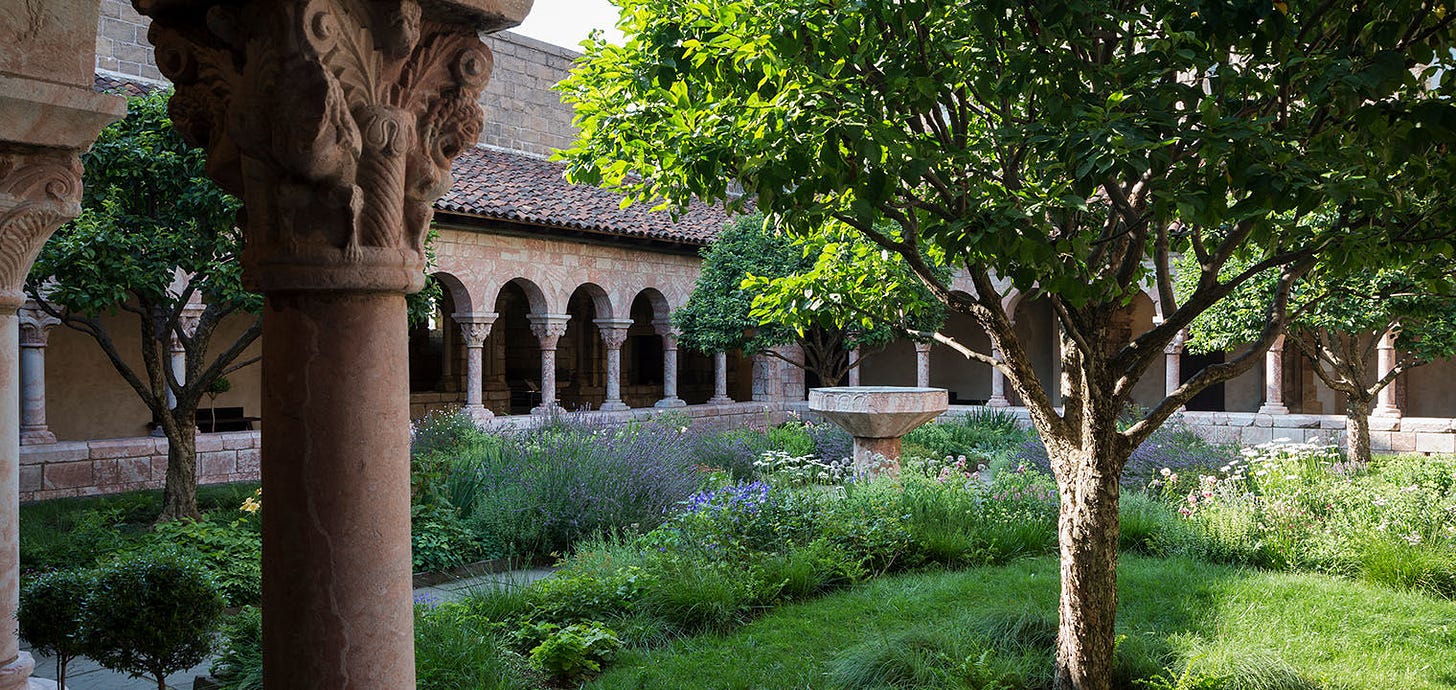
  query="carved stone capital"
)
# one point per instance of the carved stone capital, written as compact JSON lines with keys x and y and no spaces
{"x":548,"y":328}
{"x":1175,"y":346}
{"x":35,"y":325}
{"x":335,"y":121}
{"x":39,"y":190}
{"x":475,"y":328}
{"x":187,"y":322}
{"x":614,"y":332}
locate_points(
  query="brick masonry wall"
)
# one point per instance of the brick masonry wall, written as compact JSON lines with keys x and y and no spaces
{"x":106,"y":466}
{"x":522,"y":113}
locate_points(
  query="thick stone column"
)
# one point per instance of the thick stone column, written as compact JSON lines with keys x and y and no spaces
{"x":853,"y":375}
{"x":998,"y":383}
{"x":548,"y":329}
{"x":614,"y":334}
{"x":474,"y":329}
{"x":1274,"y":379}
{"x":49,"y":114}
{"x":922,"y":365}
{"x":1173,"y":363}
{"x":1387,"y":404}
{"x":669,"y":365}
{"x":35,"y":333}
{"x":336,"y":122}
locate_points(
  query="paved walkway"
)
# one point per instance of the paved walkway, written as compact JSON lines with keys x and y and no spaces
{"x":85,"y":674}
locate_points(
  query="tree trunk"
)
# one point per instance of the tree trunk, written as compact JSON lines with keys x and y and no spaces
{"x":179,"y":494}
{"x":1087,"y":530}
{"x":1357,"y":430}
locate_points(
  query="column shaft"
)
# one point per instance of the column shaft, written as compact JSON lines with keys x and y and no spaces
{"x":998,"y":384}
{"x":33,"y":429}
{"x":17,"y":667}
{"x":473,"y":376}
{"x":335,"y":465}
{"x":669,"y":372}
{"x":1388,"y":403}
{"x":922,"y":365}
{"x":854,"y":367}
{"x":720,"y":379}
{"x":1274,"y":379}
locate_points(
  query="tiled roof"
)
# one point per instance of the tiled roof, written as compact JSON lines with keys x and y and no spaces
{"x":108,"y":83}
{"x":511,"y":187}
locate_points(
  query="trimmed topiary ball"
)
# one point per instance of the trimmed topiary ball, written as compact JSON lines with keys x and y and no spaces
{"x":151,"y":615}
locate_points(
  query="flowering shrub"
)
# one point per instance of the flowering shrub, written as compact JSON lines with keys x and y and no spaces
{"x":802,"y":470}
{"x":1172,"y":446}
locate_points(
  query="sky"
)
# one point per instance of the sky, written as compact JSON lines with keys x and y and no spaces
{"x":566,"y":23}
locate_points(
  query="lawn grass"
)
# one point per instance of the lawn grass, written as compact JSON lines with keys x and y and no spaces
{"x":966,"y":629}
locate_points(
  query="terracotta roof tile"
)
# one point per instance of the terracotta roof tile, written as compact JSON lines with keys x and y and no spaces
{"x":107,"y":83}
{"x":501,"y":185}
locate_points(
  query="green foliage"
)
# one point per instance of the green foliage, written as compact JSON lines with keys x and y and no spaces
{"x":440,"y":539}
{"x":981,"y":435}
{"x":455,"y":649}
{"x":716,"y":316}
{"x":148,"y":209}
{"x":230,"y":552}
{"x":50,"y":611}
{"x":239,"y":662}
{"x":151,"y":615}
{"x":574,"y":651}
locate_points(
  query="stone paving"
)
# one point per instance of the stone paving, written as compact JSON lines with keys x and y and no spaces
{"x":85,"y":674}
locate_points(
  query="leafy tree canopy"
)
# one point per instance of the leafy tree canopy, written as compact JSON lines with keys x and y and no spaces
{"x":753,"y":267}
{"x":148,"y":210}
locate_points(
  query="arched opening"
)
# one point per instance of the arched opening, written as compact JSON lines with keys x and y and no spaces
{"x":514,"y":386}
{"x":581,"y":354}
{"x":642,"y":353}
{"x":968,"y":381}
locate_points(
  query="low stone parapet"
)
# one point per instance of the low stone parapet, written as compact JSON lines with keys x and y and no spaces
{"x":106,"y":466}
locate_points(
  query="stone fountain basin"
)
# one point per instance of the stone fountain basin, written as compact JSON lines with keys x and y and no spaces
{"x":878,"y":411}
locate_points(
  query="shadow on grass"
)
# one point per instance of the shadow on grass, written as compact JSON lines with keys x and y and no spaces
{"x":994,"y":627}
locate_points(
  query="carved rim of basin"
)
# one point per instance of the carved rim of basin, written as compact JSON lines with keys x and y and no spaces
{"x":878,"y":411}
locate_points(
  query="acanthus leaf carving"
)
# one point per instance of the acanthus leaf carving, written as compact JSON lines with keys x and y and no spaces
{"x":336,"y":122}
{"x":39,"y":190}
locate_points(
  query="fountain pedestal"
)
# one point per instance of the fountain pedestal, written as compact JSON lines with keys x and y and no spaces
{"x":877,"y":417}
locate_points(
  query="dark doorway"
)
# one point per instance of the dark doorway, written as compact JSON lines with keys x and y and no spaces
{"x":1209,"y":399}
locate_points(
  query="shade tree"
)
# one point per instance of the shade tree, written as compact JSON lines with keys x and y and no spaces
{"x":1067,"y":150}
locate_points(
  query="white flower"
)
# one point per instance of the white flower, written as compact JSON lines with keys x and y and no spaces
{"x":1165,"y":471}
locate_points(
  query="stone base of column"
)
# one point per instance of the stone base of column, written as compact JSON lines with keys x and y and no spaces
{"x":478,"y":413}
{"x":614,"y":406}
{"x":547,"y":409}
{"x":1275,"y":408}
{"x":670,"y":402}
{"x":725,"y":400}
{"x":36,"y":437}
{"x":1379,"y":411}
{"x":16,"y":674}
{"x":43,"y":684}
{"x":999,"y":401}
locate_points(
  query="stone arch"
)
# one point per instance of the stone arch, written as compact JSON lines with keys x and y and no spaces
{"x":463,"y":301}
{"x":600,"y":299}
{"x":661,"y":308}
{"x":968,"y":382}
{"x":535,"y":296}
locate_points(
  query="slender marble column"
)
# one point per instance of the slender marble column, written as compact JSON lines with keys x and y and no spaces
{"x":1274,"y":379}
{"x":1173,"y":363}
{"x":614,"y":334}
{"x":1388,"y":403}
{"x":669,"y":365}
{"x":474,"y":329}
{"x":35,"y":331}
{"x":922,"y":365}
{"x":854,"y":367}
{"x":998,"y":383}
{"x":187,"y":322}
{"x":548,"y":329}
{"x":336,"y":124}
{"x":720,"y":380}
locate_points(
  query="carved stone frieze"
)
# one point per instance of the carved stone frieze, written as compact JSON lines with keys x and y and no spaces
{"x":335,"y":121}
{"x":39,"y":190}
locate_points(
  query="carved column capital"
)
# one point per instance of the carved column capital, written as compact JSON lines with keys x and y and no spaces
{"x":475,"y":328}
{"x":614,"y":332}
{"x":39,"y":190}
{"x":1175,"y":346}
{"x":335,"y":121}
{"x":35,"y":325}
{"x":548,"y":328}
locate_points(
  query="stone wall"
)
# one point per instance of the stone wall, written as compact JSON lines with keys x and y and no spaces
{"x":89,"y":468}
{"x":522,"y":113}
